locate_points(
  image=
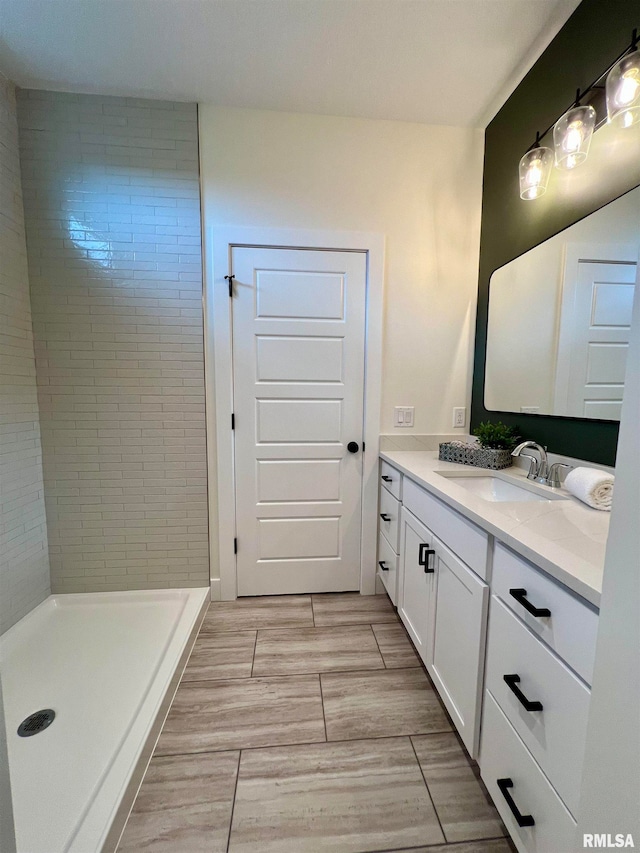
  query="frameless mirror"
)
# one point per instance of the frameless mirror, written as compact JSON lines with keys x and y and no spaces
{"x":559,"y":319}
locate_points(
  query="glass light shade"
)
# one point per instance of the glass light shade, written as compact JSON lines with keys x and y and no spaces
{"x":623,"y":91}
{"x":535,"y":168}
{"x":572,"y":136}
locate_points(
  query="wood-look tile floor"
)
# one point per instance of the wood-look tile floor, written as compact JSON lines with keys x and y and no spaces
{"x":307,"y":724}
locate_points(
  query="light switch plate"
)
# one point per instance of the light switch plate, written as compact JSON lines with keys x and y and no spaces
{"x":403,"y":416}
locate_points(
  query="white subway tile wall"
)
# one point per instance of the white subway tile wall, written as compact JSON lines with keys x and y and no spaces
{"x":24,"y":561}
{"x":112,"y":207}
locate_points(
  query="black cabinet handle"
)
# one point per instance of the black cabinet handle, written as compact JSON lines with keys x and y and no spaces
{"x":521,"y":819}
{"x":387,"y":479}
{"x":385,"y":517}
{"x":511,"y":681}
{"x":520,"y":596}
{"x":383,"y":567}
{"x":423,"y":558}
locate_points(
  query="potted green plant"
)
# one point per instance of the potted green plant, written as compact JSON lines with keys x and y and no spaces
{"x":496,"y":436}
{"x":493,"y":449}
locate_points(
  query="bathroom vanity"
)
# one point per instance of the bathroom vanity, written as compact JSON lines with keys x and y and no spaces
{"x":497,"y":581}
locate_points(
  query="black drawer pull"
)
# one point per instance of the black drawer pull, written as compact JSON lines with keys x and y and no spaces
{"x":385,"y":517}
{"x":521,"y":819}
{"x":520,"y":596}
{"x":511,"y":681}
{"x":387,"y":479}
{"x":423,"y":558}
{"x":383,"y":567}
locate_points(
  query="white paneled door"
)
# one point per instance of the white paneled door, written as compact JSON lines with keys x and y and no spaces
{"x":298,"y":376}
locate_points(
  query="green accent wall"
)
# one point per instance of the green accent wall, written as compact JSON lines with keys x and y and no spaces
{"x":596,"y":33}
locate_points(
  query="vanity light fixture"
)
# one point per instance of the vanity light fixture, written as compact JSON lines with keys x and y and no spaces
{"x":572,"y":135}
{"x":535,"y":168}
{"x":623,"y":87}
{"x":617,"y":101}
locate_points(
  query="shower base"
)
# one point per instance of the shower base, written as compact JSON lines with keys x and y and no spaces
{"x":107,"y":665}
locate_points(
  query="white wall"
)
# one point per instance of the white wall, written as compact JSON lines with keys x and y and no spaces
{"x":418,"y":185}
{"x":611,"y":774}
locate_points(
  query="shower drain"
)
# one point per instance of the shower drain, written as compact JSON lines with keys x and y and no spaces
{"x":36,"y":722}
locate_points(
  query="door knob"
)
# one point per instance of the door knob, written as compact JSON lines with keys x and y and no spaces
{"x":353,"y":447}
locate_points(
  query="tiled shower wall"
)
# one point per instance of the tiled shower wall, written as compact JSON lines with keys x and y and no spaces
{"x":24,"y":563}
{"x":112,"y":212}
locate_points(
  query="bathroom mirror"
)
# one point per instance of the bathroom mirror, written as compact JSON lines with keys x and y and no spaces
{"x":559,"y":319}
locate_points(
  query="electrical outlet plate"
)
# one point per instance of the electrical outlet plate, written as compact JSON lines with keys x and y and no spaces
{"x":459,"y":417}
{"x":403,"y":416}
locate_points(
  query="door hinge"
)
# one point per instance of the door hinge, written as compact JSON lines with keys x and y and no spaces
{"x":235,"y":546}
{"x":230,"y":279}
{"x":233,"y":420}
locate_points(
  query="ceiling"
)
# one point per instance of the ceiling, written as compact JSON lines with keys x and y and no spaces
{"x":447,"y":62}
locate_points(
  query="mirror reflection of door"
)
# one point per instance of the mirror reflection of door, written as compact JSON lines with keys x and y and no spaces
{"x":595,"y":322}
{"x":559,"y":315}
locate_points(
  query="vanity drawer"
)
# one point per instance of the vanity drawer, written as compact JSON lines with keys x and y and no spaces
{"x":393,"y":481}
{"x":503,"y":756}
{"x":390,"y":507}
{"x":389,"y":578}
{"x":555,"y":735}
{"x":571,"y":628}
{"x":464,"y":537}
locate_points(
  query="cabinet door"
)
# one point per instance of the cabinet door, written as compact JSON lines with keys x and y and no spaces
{"x":416,"y":581}
{"x":455,"y":655}
{"x":388,"y":568}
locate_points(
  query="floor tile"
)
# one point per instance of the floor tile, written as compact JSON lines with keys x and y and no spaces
{"x":495,"y":845}
{"x":269,"y":611}
{"x":395,"y":647}
{"x":351,"y":608}
{"x":316,"y":650}
{"x":216,"y":715}
{"x":361,"y":796}
{"x":381,"y":704}
{"x":185,"y":803}
{"x":465,"y":810}
{"x":216,"y":656}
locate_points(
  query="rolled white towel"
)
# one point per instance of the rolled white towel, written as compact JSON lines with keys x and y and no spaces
{"x":592,"y":486}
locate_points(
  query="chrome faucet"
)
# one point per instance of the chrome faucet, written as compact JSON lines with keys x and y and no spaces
{"x":539,"y":469}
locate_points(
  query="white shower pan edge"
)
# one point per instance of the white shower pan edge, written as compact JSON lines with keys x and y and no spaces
{"x":79,"y":654}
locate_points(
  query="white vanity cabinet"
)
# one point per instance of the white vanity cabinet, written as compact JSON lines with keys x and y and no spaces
{"x":443,"y":605}
{"x":540,"y":654}
{"x":522,"y":708}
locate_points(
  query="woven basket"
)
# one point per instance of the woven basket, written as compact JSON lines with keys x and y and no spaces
{"x":472,"y":454}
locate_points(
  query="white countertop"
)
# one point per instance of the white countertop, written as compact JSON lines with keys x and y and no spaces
{"x":565,"y":538}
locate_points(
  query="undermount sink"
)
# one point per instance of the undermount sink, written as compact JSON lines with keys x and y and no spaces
{"x":498,"y":490}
